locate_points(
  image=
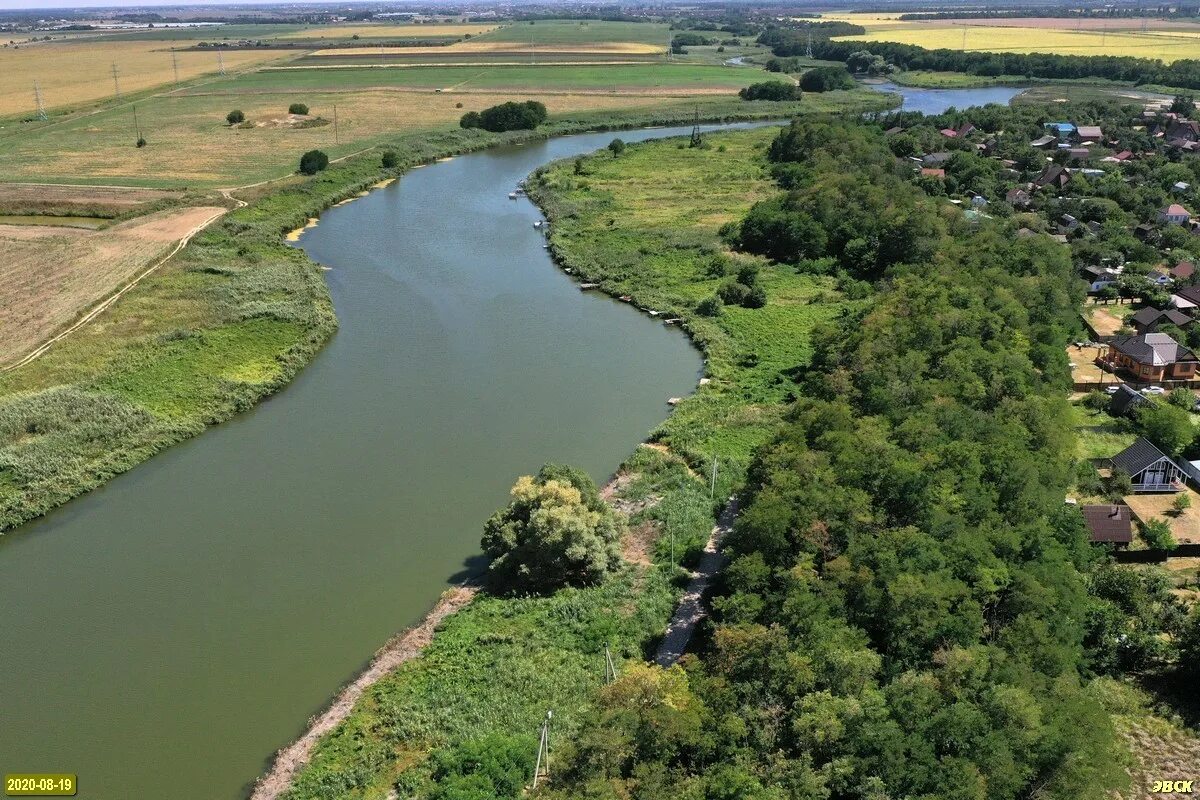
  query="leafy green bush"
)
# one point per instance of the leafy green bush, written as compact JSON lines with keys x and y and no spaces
{"x":556,"y":532}
{"x":298,"y":108}
{"x":510,"y":116}
{"x":1157,"y":534}
{"x":495,"y":767}
{"x":313,"y":162}
{"x":389,"y":160}
{"x":826,"y":79}
{"x":776,"y":91}
{"x":235,"y":117}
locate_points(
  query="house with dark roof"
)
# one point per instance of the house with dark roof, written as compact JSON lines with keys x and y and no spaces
{"x":1110,"y":524}
{"x":1099,"y":278}
{"x":1149,"y":469}
{"x":1186,"y":297}
{"x":1042,"y":141}
{"x":1054,"y":175}
{"x":1152,"y":357}
{"x":1124,"y":400}
{"x":1017,"y":197}
{"x":1148,"y":319}
{"x":1182,"y":271}
{"x":934,"y":159}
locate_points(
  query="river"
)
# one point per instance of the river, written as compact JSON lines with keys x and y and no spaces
{"x":165,"y":634}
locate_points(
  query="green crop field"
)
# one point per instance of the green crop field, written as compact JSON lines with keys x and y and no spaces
{"x":579,"y":32}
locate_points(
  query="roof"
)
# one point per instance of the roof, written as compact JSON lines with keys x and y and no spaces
{"x":948,"y":132}
{"x":1124,"y":399}
{"x":1183,"y":270}
{"x":1176,"y":210}
{"x":1155,"y":349}
{"x":1062,"y":127}
{"x":1138,"y":456}
{"x":1016,"y":194}
{"x":1152,"y":316}
{"x":1041,"y":141}
{"x":1108,"y":523}
{"x":936,"y":158}
{"x":933,"y":173}
{"x":1089,"y":132}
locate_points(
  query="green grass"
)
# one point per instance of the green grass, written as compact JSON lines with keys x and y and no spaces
{"x":579,"y":32}
{"x":925,"y":79}
{"x":1098,"y":435}
{"x":523,"y":78}
{"x":646,"y":224}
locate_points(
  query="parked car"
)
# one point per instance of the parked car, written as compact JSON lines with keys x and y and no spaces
{"x":1154,"y":390}
{"x":1111,"y":389}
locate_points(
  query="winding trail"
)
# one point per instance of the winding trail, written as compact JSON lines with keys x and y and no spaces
{"x":691,"y":606}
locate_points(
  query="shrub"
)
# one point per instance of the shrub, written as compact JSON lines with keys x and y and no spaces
{"x":495,"y":766}
{"x":141,"y":142}
{"x":510,"y":116}
{"x":1181,"y":503}
{"x":1096,"y":400}
{"x":771,"y":90}
{"x":235,"y":117}
{"x":298,"y":108}
{"x":1157,"y":534}
{"x":733,"y":293}
{"x":1184,"y":398}
{"x":709,"y":307}
{"x":313,"y":162}
{"x":616,"y":147}
{"x":556,"y":532}
{"x":390,"y":160}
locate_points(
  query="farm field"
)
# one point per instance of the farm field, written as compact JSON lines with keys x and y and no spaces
{"x":388,"y":31}
{"x":140,"y":65}
{"x":49,"y":275}
{"x":1037,"y":36}
{"x":580,"y":32}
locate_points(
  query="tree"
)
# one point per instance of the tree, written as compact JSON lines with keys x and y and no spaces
{"x":510,"y":116}
{"x":709,"y":307}
{"x":1157,"y":534}
{"x":1168,"y":426}
{"x":1096,"y":400}
{"x":826,"y":79}
{"x":1183,"y":104}
{"x":298,"y":108}
{"x":495,"y":767}
{"x":1120,"y":483}
{"x":389,"y":160}
{"x":235,"y":117}
{"x":313,"y":162}
{"x":1181,"y":503}
{"x":556,"y":532}
{"x":776,"y":91}
{"x":1183,"y":398}
{"x":616,"y":147}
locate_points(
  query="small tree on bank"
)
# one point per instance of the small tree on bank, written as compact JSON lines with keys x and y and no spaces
{"x":313,"y":162}
{"x":298,"y":108}
{"x":235,"y":117}
{"x":616,"y":147}
{"x":556,"y":532}
{"x":390,"y":160}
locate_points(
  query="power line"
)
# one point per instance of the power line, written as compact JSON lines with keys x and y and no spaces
{"x":220,"y":64}
{"x":175,"y":65}
{"x":610,"y":669}
{"x":37,"y":96}
{"x":116,"y":80}
{"x":808,"y":47}
{"x":541,"y":768}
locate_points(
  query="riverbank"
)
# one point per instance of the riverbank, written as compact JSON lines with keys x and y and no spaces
{"x":231,"y":320}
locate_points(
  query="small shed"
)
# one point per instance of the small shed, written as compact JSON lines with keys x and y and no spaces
{"x":1109,"y":524}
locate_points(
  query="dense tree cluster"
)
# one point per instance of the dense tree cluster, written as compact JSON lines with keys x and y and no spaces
{"x":510,"y":116}
{"x":826,"y":79}
{"x":907,"y":612}
{"x":771,"y":90}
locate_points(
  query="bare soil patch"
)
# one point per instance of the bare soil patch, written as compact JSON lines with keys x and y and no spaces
{"x":1161,"y":752}
{"x":50,"y":275}
{"x":34,"y":198}
{"x":1185,"y":527}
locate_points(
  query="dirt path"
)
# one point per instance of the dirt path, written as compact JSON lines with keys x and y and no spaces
{"x":691,"y":606}
{"x":401,"y":648}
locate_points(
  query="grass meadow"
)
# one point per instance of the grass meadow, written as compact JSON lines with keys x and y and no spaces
{"x":582,"y":31}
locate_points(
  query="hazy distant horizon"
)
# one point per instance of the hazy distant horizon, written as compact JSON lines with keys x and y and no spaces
{"x":39,"y":5}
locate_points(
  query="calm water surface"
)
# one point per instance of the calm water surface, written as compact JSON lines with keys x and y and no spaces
{"x":163,"y":635}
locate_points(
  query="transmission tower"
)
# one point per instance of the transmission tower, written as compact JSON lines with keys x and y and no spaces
{"x":610,"y":669}
{"x":175,"y":65}
{"x":220,"y":64}
{"x":116,"y":80}
{"x":37,"y":96}
{"x":541,"y":769}
{"x":808,"y":46}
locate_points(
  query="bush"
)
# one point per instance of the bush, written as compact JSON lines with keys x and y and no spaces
{"x":826,"y":79}
{"x":298,"y":108}
{"x":235,"y":117}
{"x":556,"y":532}
{"x":390,"y":160}
{"x":141,"y":142}
{"x":1181,"y":503}
{"x":1184,"y":398}
{"x":1157,"y":534}
{"x":709,"y":307}
{"x":771,"y":90}
{"x":495,"y":766}
{"x":510,"y":116}
{"x":733,"y":293}
{"x":313,"y":162}
{"x":616,"y":147}
{"x":1096,"y":400}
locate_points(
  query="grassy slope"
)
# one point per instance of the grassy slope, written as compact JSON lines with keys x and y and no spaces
{"x":579,"y":32}
{"x":645,"y":224}
{"x":226,"y":323}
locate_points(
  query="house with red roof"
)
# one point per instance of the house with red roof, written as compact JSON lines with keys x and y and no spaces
{"x":1174,"y":214}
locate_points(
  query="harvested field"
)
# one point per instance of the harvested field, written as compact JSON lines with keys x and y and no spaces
{"x":140,"y":65}
{"x":620,"y":48}
{"x":580,"y":31}
{"x":49,"y":275}
{"x":388,"y":31}
{"x":105,"y":201}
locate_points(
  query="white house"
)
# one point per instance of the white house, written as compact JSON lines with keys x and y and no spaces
{"x":1174,"y":214}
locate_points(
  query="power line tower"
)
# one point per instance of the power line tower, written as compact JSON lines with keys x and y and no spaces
{"x":541,"y":768}
{"x":696,"y":141}
{"x":116,"y":80}
{"x":335,"y":125}
{"x":37,"y":97}
{"x":137,"y":128}
{"x":964,"y":43}
{"x":175,"y":65}
{"x":220,"y":63}
{"x":808,"y":46}
{"x":610,"y":669}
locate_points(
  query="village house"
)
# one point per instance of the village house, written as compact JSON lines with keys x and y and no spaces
{"x":933,"y":173}
{"x":1174,"y":214}
{"x":1185,"y":298}
{"x":1043,"y":141}
{"x":1152,"y":357}
{"x":1109,"y":524}
{"x":935,"y":159}
{"x":1017,"y":197}
{"x":1182,"y":271}
{"x":1089,"y":133}
{"x":1054,"y":175}
{"x":1148,"y":319}
{"x":1063,"y":130}
{"x":1125,"y":400}
{"x":1099,"y":278}
{"x":1149,"y":469}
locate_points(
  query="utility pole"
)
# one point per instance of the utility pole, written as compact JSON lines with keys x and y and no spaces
{"x":136,"y":127}
{"x":610,"y":669}
{"x":541,"y":769}
{"x":808,"y":47}
{"x":37,"y":97}
{"x":175,"y":65}
{"x":116,"y":80}
{"x":335,"y":124}
{"x":220,"y":63}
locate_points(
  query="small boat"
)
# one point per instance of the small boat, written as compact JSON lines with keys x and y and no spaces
{"x":537,"y":224}
{"x":654,"y":313}
{"x":674,"y":401}
{"x":625,"y":298}
{"x":547,"y":247}
{"x":672,"y":321}
{"x":585,"y":286}
{"x":512,"y":195}
{"x":567,"y":270}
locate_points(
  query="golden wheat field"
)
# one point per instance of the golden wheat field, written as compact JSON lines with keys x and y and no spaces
{"x":72,"y":72}
{"x":1166,"y":40}
{"x":487,"y":47}
{"x":49,"y":275}
{"x":388,"y":31}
